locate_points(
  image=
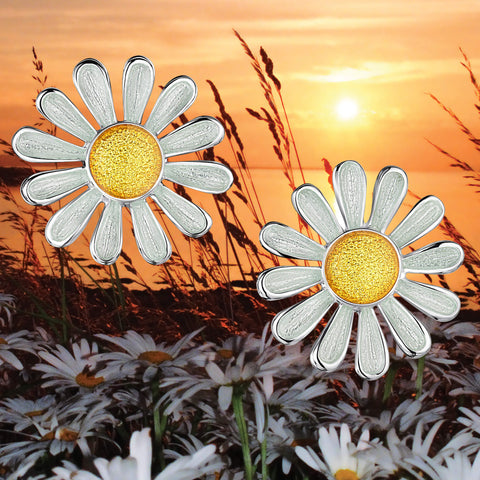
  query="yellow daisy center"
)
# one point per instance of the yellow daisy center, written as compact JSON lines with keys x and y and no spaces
{"x":125,"y":161}
{"x":225,"y":353}
{"x":346,"y":474}
{"x":35,"y":413}
{"x":3,"y":341}
{"x":155,"y":356}
{"x":361,"y":267}
{"x":88,"y":380}
{"x":67,"y":435}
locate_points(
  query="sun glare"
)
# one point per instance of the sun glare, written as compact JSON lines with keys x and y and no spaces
{"x":347,"y":109}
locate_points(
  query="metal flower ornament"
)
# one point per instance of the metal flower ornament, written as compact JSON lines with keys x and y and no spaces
{"x":362,"y":269}
{"x":123,"y":162}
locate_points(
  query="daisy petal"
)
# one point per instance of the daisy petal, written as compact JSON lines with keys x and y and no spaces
{"x":205,"y":176}
{"x":151,"y":239}
{"x":436,"y":258}
{"x":34,"y":145}
{"x":138,"y":77}
{"x":409,"y":333}
{"x":390,"y":190}
{"x":282,"y":282}
{"x":284,"y":241}
{"x":437,"y":302}
{"x":93,"y":84}
{"x":371,"y":357}
{"x":44,"y":188}
{"x":55,"y":106}
{"x":188,"y":217}
{"x":68,"y":223}
{"x":198,"y":134}
{"x":296,"y":322}
{"x":106,"y":243}
{"x":312,"y":206}
{"x":421,"y":219}
{"x":175,"y":99}
{"x":350,"y":185}
{"x":329,"y":350}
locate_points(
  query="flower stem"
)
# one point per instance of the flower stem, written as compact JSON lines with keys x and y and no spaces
{"x":389,"y":379}
{"x":242,"y":428}
{"x":159,"y":424}
{"x":263,"y":451}
{"x":419,"y":382}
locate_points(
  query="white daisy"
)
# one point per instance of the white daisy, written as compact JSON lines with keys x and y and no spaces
{"x":362,"y":268}
{"x":7,"y":304}
{"x":22,"y":412}
{"x":123,"y":162}
{"x":15,"y":341}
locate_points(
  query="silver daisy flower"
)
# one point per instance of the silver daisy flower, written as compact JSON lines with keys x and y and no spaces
{"x":362,"y":269}
{"x":123,"y":162}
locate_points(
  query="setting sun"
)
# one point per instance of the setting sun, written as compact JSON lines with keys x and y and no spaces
{"x":347,"y":109}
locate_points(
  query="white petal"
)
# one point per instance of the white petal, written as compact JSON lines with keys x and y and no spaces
{"x":224,"y":397}
{"x":284,"y":241}
{"x":138,"y":77}
{"x":296,"y":322}
{"x":106,"y":243}
{"x":174,"y":99}
{"x":432,"y":300}
{"x":198,"y":134}
{"x":371,"y":357}
{"x":44,"y":188}
{"x":437,"y":258}
{"x":423,"y":217}
{"x":205,"y":176}
{"x":68,"y":223}
{"x":312,"y":206}
{"x":34,"y":145}
{"x":329,"y":350}
{"x":409,"y":333}
{"x":151,"y":240}
{"x":308,"y":456}
{"x":282,"y":282}
{"x":215,"y":373}
{"x":188,"y":217}
{"x":10,"y":358}
{"x":141,"y":450}
{"x":390,"y":190}
{"x":93,"y":84}
{"x":350,"y":185}
{"x":55,"y":106}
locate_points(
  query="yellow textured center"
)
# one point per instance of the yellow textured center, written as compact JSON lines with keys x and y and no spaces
{"x":361,"y":267}
{"x":155,"y":356}
{"x":3,"y":341}
{"x":125,"y":161}
{"x":88,"y":380}
{"x":346,"y":474}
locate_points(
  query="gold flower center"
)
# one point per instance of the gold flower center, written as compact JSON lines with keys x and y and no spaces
{"x":67,"y":435}
{"x":125,"y":161}
{"x":35,"y":413}
{"x":155,"y":356}
{"x":225,"y":353}
{"x":88,"y":380}
{"x":346,"y":474}
{"x":3,"y":341}
{"x":361,"y":267}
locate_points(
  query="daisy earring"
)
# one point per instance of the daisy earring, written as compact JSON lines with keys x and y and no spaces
{"x":123,"y":162}
{"x":362,"y":269}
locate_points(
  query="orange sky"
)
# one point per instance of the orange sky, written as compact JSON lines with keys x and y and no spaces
{"x":386,"y":55}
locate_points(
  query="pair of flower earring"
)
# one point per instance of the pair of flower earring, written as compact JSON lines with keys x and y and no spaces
{"x":125,"y":162}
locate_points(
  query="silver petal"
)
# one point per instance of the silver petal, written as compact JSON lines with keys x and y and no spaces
{"x":436,"y":258}
{"x":205,"y":176}
{"x":68,"y":223}
{"x":35,"y":145}
{"x":421,"y":219}
{"x":138,"y":78}
{"x":187,"y":217}
{"x":312,"y":206}
{"x":371,"y":357}
{"x":174,"y":99}
{"x":350,"y":185}
{"x":284,"y":241}
{"x":93,"y":84}
{"x":437,"y":302}
{"x":330,"y":348}
{"x":198,"y":134}
{"x":282,"y":282}
{"x":390,"y":190}
{"x":44,"y":188}
{"x":411,"y":336}
{"x":151,"y":240}
{"x":106,"y":243}
{"x":296,"y":322}
{"x":55,"y":106}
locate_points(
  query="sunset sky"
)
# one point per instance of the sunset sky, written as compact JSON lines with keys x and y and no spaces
{"x":384,"y":56}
